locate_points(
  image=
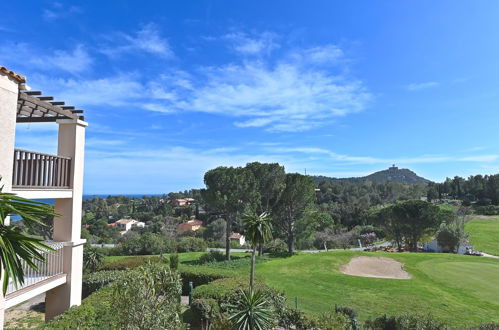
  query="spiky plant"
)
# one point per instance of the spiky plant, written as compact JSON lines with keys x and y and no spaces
{"x":258,"y":230}
{"x":252,"y":311}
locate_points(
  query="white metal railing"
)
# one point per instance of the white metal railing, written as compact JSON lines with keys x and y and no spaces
{"x":52,"y":266}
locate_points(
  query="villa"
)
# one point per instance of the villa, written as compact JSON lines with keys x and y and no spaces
{"x":191,"y":225}
{"x":36,"y":175}
{"x":128,"y":224}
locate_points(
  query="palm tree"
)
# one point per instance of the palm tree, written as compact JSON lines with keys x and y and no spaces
{"x":258,"y":230}
{"x":15,"y":245}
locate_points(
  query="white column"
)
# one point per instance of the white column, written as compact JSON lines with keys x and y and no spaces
{"x":67,"y":227}
{"x":9,"y":89}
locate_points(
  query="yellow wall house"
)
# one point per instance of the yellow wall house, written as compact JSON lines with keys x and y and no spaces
{"x":35,"y":175}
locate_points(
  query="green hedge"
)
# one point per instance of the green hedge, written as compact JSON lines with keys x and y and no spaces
{"x":95,"y":312}
{"x":200,"y":275}
{"x":130,"y":262}
{"x":95,"y":281}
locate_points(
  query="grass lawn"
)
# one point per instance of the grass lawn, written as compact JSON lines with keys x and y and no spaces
{"x":461,"y":290}
{"x":484,"y":234}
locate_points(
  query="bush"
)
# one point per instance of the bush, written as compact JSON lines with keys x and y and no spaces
{"x":146,"y":244}
{"x":148,"y":298}
{"x":95,"y":312}
{"x":191,"y":244}
{"x":405,"y":321}
{"x":295,"y":319}
{"x":276,"y":246}
{"x":212,"y":256}
{"x":129,"y":262}
{"x":174,"y":261}
{"x":347,"y":311}
{"x":228,"y":291}
{"x":92,"y":258}
{"x":203,"y":311}
{"x":96,"y":281}
{"x":199,"y":275}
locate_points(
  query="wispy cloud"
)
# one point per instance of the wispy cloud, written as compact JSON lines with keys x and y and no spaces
{"x":423,"y":85}
{"x":57,"y":10}
{"x":258,"y":44}
{"x":75,"y":61}
{"x":147,"y":39}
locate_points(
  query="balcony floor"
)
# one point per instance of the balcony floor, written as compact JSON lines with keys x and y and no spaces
{"x":38,"y":285}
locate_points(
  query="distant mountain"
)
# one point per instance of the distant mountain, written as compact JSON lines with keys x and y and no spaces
{"x":393,"y":173}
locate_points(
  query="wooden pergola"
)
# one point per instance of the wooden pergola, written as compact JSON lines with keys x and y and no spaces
{"x":32,"y":107}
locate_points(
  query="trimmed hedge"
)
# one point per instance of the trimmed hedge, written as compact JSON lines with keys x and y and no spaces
{"x":96,"y":281}
{"x":130,"y":262}
{"x":199,"y":275}
{"x":405,"y":321}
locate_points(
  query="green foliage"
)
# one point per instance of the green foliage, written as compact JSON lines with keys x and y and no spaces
{"x":450,"y":235}
{"x":297,"y":196}
{"x":258,"y":230}
{"x":15,"y":245}
{"x":129,"y":262}
{"x":92,"y":258}
{"x":146,"y":244}
{"x":148,"y":298}
{"x":199,"y":275}
{"x":95,"y":312}
{"x":212,"y":256}
{"x":97,"y":280}
{"x":483,"y":234}
{"x":276,"y":246}
{"x":409,"y":221}
{"x":252,"y":311}
{"x":405,"y":321}
{"x":191,"y":244}
{"x":174,"y":260}
{"x":204,"y":310}
{"x":228,"y":291}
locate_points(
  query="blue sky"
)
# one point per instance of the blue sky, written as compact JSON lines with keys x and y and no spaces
{"x":173,"y":88}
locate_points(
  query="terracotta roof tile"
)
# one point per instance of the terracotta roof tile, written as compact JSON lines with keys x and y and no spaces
{"x":12,"y":74}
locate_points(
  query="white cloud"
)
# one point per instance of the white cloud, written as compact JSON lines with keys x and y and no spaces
{"x":58,"y":10}
{"x":148,"y":39}
{"x":75,"y":61}
{"x":323,"y":55}
{"x":423,"y":85}
{"x":261,"y":44}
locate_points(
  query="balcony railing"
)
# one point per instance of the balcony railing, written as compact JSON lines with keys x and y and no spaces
{"x":37,"y":170}
{"x":52,"y":266}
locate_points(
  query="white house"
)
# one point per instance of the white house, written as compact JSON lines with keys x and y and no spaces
{"x":238,"y":238}
{"x":36,"y":175}
{"x":127,"y":224}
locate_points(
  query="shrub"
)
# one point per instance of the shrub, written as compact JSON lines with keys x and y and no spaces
{"x":212,"y":256}
{"x":92,"y":258}
{"x":276,"y":246}
{"x":252,"y":310}
{"x":204,"y":310}
{"x":199,"y":275}
{"x":347,"y":311}
{"x":129,"y":262}
{"x":228,"y":291}
{"x":148,"y":298}
{"x":95,"y":312}
{"x":403,"y":322}
{"x":191,"y":244}
{"x":146,"y":244}
{"x":95,"y":281}
{"x":174,"y":261}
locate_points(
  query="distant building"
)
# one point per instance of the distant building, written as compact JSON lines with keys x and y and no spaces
{"x":433,"y":246}
{"x":183,"y":201}
{"x":127,"y":224}
{"x":191,"y":225}
{"x":238,"y":238}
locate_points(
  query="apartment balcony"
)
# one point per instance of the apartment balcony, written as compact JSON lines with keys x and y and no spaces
{"x":49,"y":275}
{"x":38,"y":175}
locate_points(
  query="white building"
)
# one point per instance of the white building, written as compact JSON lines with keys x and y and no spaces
{"x":433,"y":246}
{"x":35,"y":175}
{"x":240,"y":239}
{"x":127,"y":224}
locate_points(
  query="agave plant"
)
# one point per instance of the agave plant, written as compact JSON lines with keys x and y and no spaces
{"x":252,"y":311}
{"x":15,"y":244}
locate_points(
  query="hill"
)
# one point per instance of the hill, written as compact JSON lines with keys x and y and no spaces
{"x":393,"y":173}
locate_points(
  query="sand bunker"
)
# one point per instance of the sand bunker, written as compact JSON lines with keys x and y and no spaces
{"x":375,"y":267}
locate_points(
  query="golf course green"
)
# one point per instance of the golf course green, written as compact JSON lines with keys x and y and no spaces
{"x":460,"y":290}
{"x":484,"y":234}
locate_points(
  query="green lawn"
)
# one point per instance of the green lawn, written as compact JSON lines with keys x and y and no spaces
{"x":484,"y":234}
{"x":461,"y":290}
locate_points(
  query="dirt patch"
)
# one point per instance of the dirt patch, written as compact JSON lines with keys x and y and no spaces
{"x":375,"y":267}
